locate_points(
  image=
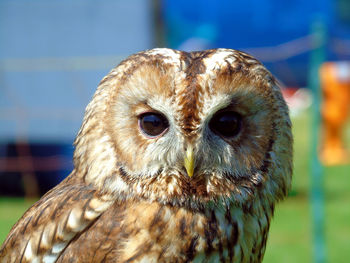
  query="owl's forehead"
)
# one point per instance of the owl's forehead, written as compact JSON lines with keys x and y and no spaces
{"x":195,"y":72}
{"x":201,"y":62}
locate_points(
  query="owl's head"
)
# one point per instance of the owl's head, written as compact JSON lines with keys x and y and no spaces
{"x":186,"y":128}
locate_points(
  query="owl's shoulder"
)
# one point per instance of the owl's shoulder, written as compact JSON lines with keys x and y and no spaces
{"x":50,"y":224}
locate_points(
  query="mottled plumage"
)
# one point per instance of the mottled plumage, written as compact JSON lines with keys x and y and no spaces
{"x":181,"y":157}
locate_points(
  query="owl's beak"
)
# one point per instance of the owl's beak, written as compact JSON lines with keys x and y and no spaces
{"x":189,"y":161}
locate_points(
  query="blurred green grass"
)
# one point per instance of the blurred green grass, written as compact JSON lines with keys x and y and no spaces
{"x":11,"y":209}
{"x":290,"y":237}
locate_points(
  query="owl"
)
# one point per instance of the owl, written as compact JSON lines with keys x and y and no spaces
{"x":181,"y":157}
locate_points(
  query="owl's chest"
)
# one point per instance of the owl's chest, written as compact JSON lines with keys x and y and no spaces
{"x":155,"y":233}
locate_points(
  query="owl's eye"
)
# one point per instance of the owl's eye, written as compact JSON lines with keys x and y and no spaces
{"x":153,"y":124}
{"x":226,"y":123}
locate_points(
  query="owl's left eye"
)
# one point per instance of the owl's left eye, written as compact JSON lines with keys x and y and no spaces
{"x":153,"y":124}
{"x":226,"y":123}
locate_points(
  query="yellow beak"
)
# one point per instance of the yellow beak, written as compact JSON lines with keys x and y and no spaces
{"x":189,"y":161}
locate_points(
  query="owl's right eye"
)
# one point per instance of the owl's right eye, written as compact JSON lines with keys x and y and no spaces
{"x":153,"y":124}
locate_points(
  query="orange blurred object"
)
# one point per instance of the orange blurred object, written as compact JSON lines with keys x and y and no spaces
{"x":335,"y":84}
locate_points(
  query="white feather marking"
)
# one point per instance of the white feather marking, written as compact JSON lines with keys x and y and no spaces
{"x":45,"y":238}
{"x":118,"y":185}
{"x":90,"y":214}
{"x":170,"y":188}
{"x":73,"y":220}
{"x":149,"y":259}
{"x":104,"y":138}
{"x":50,"y":258}
{"x":209,"y":187}
{"x":166,"y":214}
{"x":99,"y":206}
{"x":169,"y":54}
{"x":57,"y":248}
{"x":217,"y":59}
{"x":28,"y":253}
{"x":201,"y":244}
{"x":60,"y":233}
{"x":139,"y":189}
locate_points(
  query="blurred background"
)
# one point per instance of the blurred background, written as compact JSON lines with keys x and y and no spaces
{"x":53,"y":53}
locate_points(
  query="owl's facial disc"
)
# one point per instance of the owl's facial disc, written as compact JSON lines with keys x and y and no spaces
{"x":194,"y":125}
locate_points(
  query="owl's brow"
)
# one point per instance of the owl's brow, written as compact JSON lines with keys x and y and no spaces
{"x":189,"y":97}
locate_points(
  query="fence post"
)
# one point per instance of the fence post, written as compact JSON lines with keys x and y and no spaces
{"x":317,"y":57}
